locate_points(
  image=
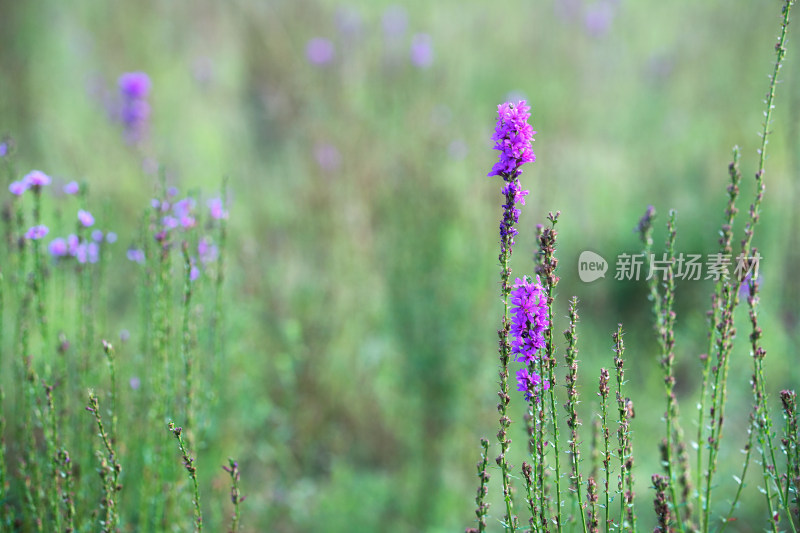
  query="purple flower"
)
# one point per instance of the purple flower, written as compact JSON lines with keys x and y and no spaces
{"x":37,"y":232}
{"x":183,"y":207}
{"x":194,"y":272}
{"x":172,"y":191}
{"x":72,"y":244}
{"x":513,"y":136}
{"x":97,"y":236}
{"x":530,"y":383}
{"x":135,"y":383}
{"x":124,"y":335}
{"x":58,"y":247}
{"x":217,"y":210}
{"x":422,"y":50}
{"x":515,"y":196}
{"x":72,"y":188}
{"x":18,"y":187}
{"x":36,"y":179}
{"x":528,"y":319}
{"x":85,"y":218}
{"x":136,"y":256}
{"x":319,"y":51}
{"x":327,"y":156}
{"x":3,"y":149}
{"x":395,"y":21}
{"x":206,"y":251}
{"x":169,"y":222}
{"x":111,"y":237}
{"x":134,"y":85}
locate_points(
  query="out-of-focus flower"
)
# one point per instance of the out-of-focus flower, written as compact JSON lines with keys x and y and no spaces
{"x":134,"y":87}
{"x":3,"y":149}
{"x":422,"y":50}
{"x":18,"y":187}
{"x":513,"y":136}
{"x":58,"y":247}
{"x":216,"y":209}
{"x":124,"y":335}
{"x":36,"y":179}
{"x":111,"y":237}
{"x":135,"y":84}
{"x":136,"y":255}
{"x":97,"y":235}
{"x":598,"y":18}
{"x":85,"y":218}
{"x":135,"y":383}
{"x":72,"y":188}
{"x":327,"y":156}
{"x":319,"y":51}
{"x":395,"y":21}
{"x":169,"y":222}
{"x":37,"y":232}
{"x":206,"y":251}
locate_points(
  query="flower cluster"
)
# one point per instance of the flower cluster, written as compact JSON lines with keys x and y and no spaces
{"x":528,"y":324}
{"x":35,"y":180}
{"x":134,"y":87}
{"x":82,"y":249}
{"x":513,"y":136}
{"x":515,"y":196}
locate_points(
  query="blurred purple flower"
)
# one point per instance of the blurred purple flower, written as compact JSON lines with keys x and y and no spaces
{"x":206,"y":250}
{"x":37,"y":232}
{"x":194,"y":272}
{"x":327,"y":156}
{"x":395,"y":21}
{"x":598,"y":18}
{"x":97,"y":235}
{"x":124,"y":335}
{"x":135,"y":383}
{"x":58,"y":247}
{"x":169,"y":222}
{"x":85,"y":218}
{"x":136,"y":256}
{"x":82,"y":253}
{"x":422,"y":50}
{"x":111,"y":237}
{"x":72,"y":188}
{"x":92,"y":252}
{"x":319,"y":51}
{"x":36,"y":179}
{"x":3,"y":149}
{"x":188,"y":222}
{"x":172,"y":191}
{"x":348,"y":21}
{"x":134,"y":88}
{"x":72,"y":244}
{"x":134,"y":84}
{"x":18,"y":187}
{"x":217,"y":210}
{"x":183,"y":207}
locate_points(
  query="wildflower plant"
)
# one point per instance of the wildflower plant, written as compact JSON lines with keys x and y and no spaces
{"x":682,"y":500}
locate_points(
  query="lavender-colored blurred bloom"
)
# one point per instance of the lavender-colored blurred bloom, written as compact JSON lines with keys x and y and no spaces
{"x":85,"y":218}
{"x":37,"y":232}
{"x":58,"y":247}
{"x":36,"y":179}
{"x":82,"y":253}
{"x":217,"y":210}
{"x":395,"y":21}
{"x":134,"y":88}
{"x":136,"y":256}
{"x":319,"y":51}
{"x":134,"y":84}
{"x":18,"y":187}
{"x":72,"y":188}
{"x":93,"y":252}
{"x":598,"y":18}
{"x":172,"y":191}
{"x":111,"y":237}
{"x":72,"y":244}
{"x":3,"y":149}
{"x":169,"y":222}
{"x":194,"y":272}
{"x":422,"y":50}
{"x":135,"y":383}
{"x":513,"y":136}
{"x":348,"y":22}
{"x":327,"y":156}
{"x":124,"y":335}
{"x":183,"y":207}
{"x":206,"y":251}
{"x":97,"y":235}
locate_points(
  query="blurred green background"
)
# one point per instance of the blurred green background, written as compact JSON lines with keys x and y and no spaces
{"x":362,"y":272}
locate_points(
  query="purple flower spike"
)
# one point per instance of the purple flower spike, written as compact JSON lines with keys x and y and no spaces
{"x":531,"y":384}
{"x":58,"y":247}
{"x":72,"y":188}
{"x":529,"y":319}
{"x":513,"y":136}
{"x":218,"y":211}
{"x":319,"y":51}
{"x":36,"y":179}
{"x":85,"y":218}
{"x":18,"y":187}
{"x":134,"y":85}
{"x":37,"y":232}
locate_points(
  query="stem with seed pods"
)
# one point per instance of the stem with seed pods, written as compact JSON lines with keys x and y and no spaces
{"x":188,"y":463}
{"x":571,"y":335}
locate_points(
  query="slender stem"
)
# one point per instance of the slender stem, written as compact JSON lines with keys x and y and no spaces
{"x":188,"y":463}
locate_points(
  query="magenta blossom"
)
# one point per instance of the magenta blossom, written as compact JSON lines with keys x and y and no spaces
{"x":36,"y":179}
{"x":513,"y":136}
{"x":18,"y":187}
{"x":85,"y":218}
{"x":37,"y":232}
